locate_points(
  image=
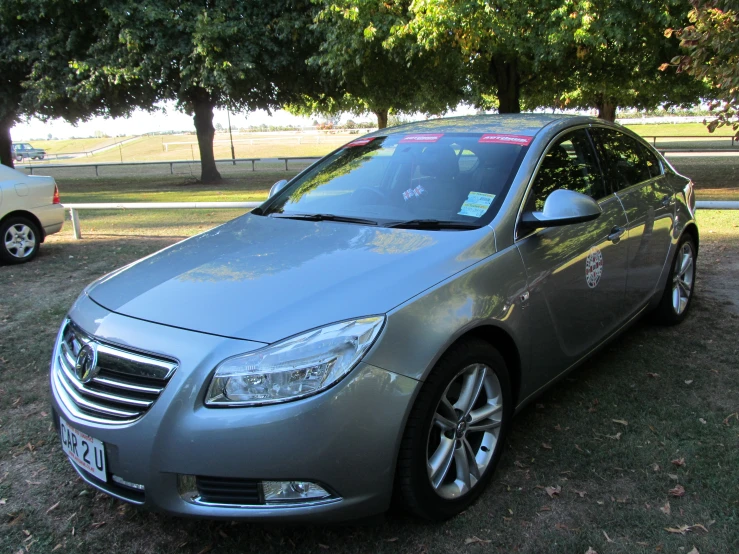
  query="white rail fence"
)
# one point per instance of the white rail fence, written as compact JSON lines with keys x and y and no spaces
{"x":74,"y":208}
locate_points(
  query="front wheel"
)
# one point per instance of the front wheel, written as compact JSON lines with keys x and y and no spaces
{"x":455,"y":432}
{"x":678,"y":293}
{"x":19,"y":158}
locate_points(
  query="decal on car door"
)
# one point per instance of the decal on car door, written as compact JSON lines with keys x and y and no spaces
{"x":593,"y":267}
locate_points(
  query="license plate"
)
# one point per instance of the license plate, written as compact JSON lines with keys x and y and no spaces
{"x":87,"y":452}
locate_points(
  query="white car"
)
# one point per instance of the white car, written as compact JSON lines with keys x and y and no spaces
{"x":29,"y":211}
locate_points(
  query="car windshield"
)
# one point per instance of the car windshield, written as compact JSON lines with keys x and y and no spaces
{"x":434,"y":181}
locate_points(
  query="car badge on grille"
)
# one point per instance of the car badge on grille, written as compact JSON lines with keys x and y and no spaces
{"x":86,"y":366}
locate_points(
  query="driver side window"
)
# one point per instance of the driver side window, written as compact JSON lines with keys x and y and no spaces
{"x":569,"y":164}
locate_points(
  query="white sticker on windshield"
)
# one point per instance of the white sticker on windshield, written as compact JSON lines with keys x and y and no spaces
{"x":477,"y":204}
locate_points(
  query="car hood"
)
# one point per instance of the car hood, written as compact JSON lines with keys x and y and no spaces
{"x":263,"y":279}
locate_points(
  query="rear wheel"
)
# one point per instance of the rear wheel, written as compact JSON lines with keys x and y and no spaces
{"x":678,"y":293}
{"x":19,"y":158}
{"x":19,"y":240}
{"x":455,"y":432}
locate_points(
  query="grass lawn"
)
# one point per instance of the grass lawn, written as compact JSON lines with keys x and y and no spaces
{"x":618,"y":438}
{"x":679,"y":130}
{"x":75,"y":145}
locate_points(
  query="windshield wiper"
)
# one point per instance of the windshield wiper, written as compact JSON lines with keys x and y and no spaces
{"x":433,"y":224}
{"x":326,"y":217}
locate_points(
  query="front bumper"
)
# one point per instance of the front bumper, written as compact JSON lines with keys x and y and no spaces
{"x":346,"y":437}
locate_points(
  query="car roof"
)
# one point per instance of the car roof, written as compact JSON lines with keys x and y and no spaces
{"x":527,"y":124}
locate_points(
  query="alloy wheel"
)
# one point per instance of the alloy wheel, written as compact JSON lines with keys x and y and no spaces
{"x":20,"y":240}
{"x":465,"y":431}
{"x":682,"y":278}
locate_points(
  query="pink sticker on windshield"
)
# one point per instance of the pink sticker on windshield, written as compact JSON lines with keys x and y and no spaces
{"x":521,"y":140}
{"x":421,"y":138}
{"x":359,"y":142}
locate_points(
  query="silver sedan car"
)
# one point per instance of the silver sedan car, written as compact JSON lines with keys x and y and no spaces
{"x":371,"y":330}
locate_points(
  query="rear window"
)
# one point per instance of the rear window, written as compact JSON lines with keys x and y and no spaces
{"x":448,"y":177}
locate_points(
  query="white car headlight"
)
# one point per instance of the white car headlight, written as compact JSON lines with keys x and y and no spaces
{"x":295,"y":367}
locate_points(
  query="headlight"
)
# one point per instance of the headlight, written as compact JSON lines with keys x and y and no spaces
{"x":295,"y":367}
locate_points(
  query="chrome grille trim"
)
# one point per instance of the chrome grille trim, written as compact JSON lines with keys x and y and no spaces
{"x":126,"y":385}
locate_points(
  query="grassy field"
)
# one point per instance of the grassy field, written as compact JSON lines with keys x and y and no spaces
{"x":654,"y":413}
{"x":309,"y":143}
{"x":62,"y":146}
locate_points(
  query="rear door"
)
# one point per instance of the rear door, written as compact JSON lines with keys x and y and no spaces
{"x":576,"y":273}
{"x":637,"y":177}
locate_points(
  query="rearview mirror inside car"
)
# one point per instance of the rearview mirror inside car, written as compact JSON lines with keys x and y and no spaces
{"x":277,"y":187}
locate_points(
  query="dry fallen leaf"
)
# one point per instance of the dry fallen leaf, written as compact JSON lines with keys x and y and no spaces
{"x":97,"y":525}
{"x":551,"y":491}
{"x":653,"y":375}
{"x":679,"y":462}
{"x":53,"y":507}
{"x":688,"y":381}
{"x":655,"y":467}
{"x":694,"y":551}
{"x":620,"y":421}
{"x":591,"y":551}
{"x":683,"y":529}
{"x":672,"y":476}
{"x":666,"y":509}
{"x":616,"y":437}
{"x":393,"y":539}
{"x":609,"y":539}
{"x":324,"y":546}
{"x":703,"y":421}
{"x":580,"y":493}
{"x":475,"y":540}
{"x":546,"y":446}
{"x":678,"y":491}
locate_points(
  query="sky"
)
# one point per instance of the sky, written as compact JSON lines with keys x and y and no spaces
{"x":167,"y":119}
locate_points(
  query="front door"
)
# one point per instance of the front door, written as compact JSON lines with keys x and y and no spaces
{"x":576,"y":273}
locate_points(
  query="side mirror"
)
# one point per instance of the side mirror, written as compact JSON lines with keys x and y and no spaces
{"x":277,"y":187}
{"x":563,"y":207}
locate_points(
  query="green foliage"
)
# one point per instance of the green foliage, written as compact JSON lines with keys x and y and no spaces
{"x":615,"y":55}
{"x":366,"y":68}
{"x":712,"y":43}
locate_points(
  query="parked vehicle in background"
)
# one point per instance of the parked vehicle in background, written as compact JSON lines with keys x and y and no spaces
{"x":371,"y":329}
{"x":30,"y":210}
{"x":24,"y":150}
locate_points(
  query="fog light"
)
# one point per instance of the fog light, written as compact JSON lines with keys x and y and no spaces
{"x":121,"y":481}
{"x":276,"y":492}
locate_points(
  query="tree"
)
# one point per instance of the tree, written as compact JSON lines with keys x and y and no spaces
{"x":505,"y":44}
{"x":365,"y":69}
{"x":38,"y":40}
{"x":206,"y":54}
{"x":712,"y":44}
{"x":615,"y":55}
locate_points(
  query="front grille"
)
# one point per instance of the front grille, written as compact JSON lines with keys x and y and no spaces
{"x":227,"y":490}
{"x":125,"y":385}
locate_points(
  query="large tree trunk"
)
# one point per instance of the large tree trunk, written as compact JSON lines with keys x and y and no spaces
{"x":6,"y":155}
{"x":508,"y":81}
{"x":203,"y":109}
{"x":381,"y":118}
{"x":606,"y":110}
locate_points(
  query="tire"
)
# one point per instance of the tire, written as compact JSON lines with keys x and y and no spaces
{"x":19,"y":158}
{"x":431,"y":480}
{"x":41,"y":157}
{"x":19,"y":240}
{"x":678,"y":294}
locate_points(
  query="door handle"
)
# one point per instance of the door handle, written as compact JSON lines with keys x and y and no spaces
{"x":616,"y":233}
{"x":668,"y":201}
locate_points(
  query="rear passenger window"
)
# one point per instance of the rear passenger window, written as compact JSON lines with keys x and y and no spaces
{"x":626,"y":162}
{"x":568,"y":164}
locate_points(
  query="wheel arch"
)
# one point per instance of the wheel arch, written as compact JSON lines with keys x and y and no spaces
{"x":27,"y":215}
{"x":692,"y":229}
{"x":504,"y":343}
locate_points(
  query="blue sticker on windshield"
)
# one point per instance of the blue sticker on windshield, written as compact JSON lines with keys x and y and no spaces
{"x":477,"y":204}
